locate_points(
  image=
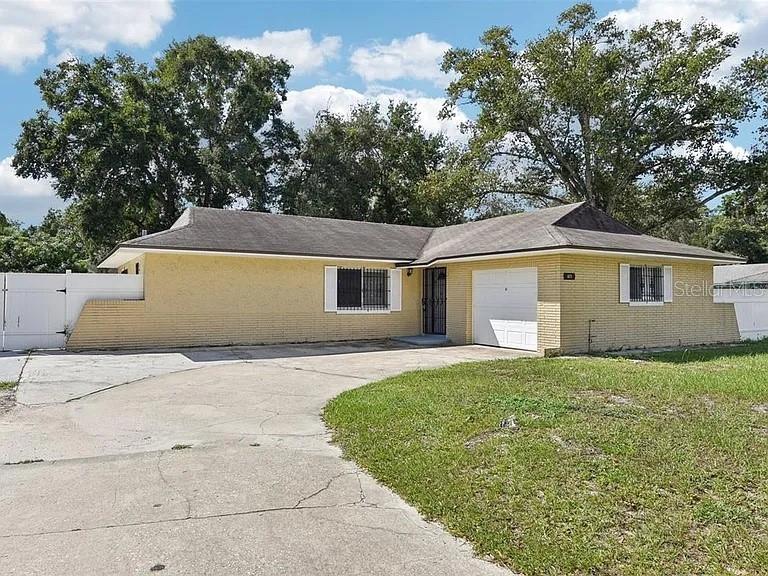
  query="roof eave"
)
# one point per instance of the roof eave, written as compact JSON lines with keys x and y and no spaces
{"x":720,"y":258}
{"x":125,"y":252}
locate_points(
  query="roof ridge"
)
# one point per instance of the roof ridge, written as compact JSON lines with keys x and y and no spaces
{"x":582,"y":209}
{"x":426,"y":243}
{"x":166,"y":231}
{"x":303,"y":216}
{"x":557,"y":235}
{"x":513,"y":215}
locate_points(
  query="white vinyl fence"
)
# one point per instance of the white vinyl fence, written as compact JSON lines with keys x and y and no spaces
{"x":751,"y":304}
{"x":39,"y":310}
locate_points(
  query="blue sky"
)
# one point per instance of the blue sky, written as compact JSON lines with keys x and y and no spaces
{"x":343,"y":52}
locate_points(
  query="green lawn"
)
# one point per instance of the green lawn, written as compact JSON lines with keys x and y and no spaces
{"x":613,"y":466}
{"x":7,"y":385}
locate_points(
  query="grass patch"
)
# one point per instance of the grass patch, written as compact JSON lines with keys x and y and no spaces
{"x":7,"y":385}
{"x":612,"y":466}
{"x":710,"y":353}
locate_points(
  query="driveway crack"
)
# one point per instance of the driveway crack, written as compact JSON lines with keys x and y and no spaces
{"x":172,"y":487}
{"x":363,"y":378}
{"x":360,"y":485}
{"x":323,"y":489}
{"x":174,"y":520}
{"x":267,"y":419}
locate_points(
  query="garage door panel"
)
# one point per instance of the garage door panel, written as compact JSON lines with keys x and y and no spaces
{"x":504,"y":307}
{"x":515,"y":336}
{"x":500,"y":329}
{"x":516,"y":312}
{"x":531,"y":335}
{"x":513,"y":297}
{"x":520,"y":277}
{"x":484,"y":331}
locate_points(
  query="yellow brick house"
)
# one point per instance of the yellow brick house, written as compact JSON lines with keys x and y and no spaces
{"x":567,"y":279}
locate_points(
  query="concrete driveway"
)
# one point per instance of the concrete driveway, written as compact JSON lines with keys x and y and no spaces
{"x":218,"y":463}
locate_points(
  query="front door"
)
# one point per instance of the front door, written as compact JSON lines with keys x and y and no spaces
{"x":433,"y":300}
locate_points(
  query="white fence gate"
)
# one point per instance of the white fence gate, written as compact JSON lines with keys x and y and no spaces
{"x":39,"y":310}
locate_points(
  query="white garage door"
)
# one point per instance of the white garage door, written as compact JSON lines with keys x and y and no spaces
{"x":504,"y":307}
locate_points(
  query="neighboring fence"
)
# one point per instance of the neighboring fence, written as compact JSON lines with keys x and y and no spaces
{"x":750,"y":303}
{"x":39,"y":310}
{"x":751,"y":307}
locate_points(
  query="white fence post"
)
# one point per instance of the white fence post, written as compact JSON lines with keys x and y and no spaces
{"x":2,"y":311}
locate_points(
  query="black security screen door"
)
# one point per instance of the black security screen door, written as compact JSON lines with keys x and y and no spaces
{"x":433,"y":301}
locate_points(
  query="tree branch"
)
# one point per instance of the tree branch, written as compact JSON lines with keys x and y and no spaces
{"x":690,"y":212}
{"x":542,"y":195}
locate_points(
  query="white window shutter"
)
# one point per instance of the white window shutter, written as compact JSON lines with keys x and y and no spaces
{"x":624,"y":283}
{"x":668,"y":285}
{"x":330,"y":288}
{"x":395,"y":289}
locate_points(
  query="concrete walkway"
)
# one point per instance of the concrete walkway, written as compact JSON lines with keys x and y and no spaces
{"x":253,"y":487}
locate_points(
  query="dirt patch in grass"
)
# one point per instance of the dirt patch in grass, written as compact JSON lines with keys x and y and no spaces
{"x":7,"y":396}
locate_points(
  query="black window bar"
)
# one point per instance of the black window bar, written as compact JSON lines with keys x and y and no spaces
{"x":646,"y":284}
{"x":362,"y":289}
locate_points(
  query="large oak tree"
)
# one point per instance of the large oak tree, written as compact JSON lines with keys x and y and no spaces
{"x":635,"y":122}
{"x":133,"y":144}
{"x":373,"y":165}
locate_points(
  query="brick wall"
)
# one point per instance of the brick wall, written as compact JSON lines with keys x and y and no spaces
{"x":215,"y":300}
{"x":691,"y":318}
{"x":193,"y":300}
{"x":565,"y":307}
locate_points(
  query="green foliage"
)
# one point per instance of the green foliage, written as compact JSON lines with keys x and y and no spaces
{"x":460,"y":189}
{"x":614,"y":466}
{"x":372,"y":166}
{"x":740,"y":226}
{"x":132,"y":145}
{"x":230,"y":103}
{"x":56,"y":245}
{"x":632,"y":122}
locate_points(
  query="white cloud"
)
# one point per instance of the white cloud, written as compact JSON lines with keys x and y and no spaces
{"x":747,"y":18}
{"x":728,"y":147}
{"x":13,"y":185}
{"x":302,"y":106}
{"x":417,"y":57}
{"x":75,"y":26}
{"x":738,"y":152}
{"x":18,"y":45}
{"x":295,"y":46}
{"x":25,"y":199}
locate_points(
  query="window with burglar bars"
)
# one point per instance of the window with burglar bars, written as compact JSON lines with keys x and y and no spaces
{"x":362,"y":289}
{"x":646,"y":284}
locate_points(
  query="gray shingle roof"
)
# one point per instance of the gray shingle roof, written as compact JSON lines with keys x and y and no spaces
{"x":569,"y":226}
{"x":215,"y":230}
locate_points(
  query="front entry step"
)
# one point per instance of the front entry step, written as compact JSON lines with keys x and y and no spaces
{"x":424,"y":340}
